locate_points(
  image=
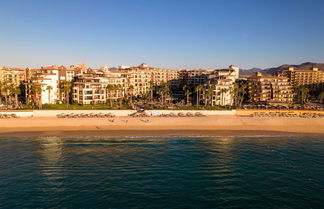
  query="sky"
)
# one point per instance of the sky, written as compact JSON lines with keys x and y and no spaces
{"x":163,"y":33}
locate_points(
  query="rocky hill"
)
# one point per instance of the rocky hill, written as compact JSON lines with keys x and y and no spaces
{"x":304,"y":66}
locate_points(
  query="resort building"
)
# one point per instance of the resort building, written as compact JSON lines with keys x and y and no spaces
{"x":98,"y":88}
{"x":219,"y":87}
{"x":14,"y":76}
{"x":313,"y":79}
{"x":48,"y":80}
{"x":102,"y":86}
{"x":270,"y":89}
{"x":218,"y":92}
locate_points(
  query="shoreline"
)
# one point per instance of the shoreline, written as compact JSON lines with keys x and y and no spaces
{"x":157,"y":126}
{"x":153,"y":133}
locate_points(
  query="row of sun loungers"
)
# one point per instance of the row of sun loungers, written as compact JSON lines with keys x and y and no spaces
{"x":180,"y":114}
{"x":4,"y":115}
{"x":85,"y":115}
{"x":287,"y":115}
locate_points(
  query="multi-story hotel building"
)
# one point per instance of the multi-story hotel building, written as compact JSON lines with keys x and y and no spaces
{"x":14,"y":76}
{"x":313,"y":79}
{"x":218,"y":92}
{"x":49,"y":80}
{"x":219,"y":86}
{"x":91,"y":88}
{"x":272,"y":89}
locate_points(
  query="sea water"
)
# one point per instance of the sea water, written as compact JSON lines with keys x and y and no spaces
{"x":162,"y":172}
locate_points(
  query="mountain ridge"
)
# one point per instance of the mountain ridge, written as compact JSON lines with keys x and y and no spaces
{"x":273,"y":70}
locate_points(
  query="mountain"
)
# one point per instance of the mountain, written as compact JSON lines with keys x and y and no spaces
{"x":247,"y":73}
{"x":270,"y":71}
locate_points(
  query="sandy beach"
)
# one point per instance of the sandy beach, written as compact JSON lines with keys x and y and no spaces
{"x":157,"y":126}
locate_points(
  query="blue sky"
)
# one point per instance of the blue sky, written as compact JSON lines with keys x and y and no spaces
{"x":163,"y":33}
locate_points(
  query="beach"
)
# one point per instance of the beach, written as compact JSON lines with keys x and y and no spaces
{"x":221,"y":125}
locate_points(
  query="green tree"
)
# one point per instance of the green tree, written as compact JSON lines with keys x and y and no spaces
{"x":321,"y":97}
{"x":119,"y":90}
{"x":6,"y":90}
{"x":130,"y":93}
{"x":37,"y":92}
{"x":49,"y":89}
{"x":16,"y":91}
{"x":302,"y":94}
{"x":163,"y":91}
{"x":223,"y":91}
{"x":152,"y":88}
{"x":1,"y":91}
{"x":209,"y":94}
{"x":66,"y":88}
{"x":110,"y":88}
{"x":198,"y":91}
{"x":239,"y":92}
{"x":187,"y":93}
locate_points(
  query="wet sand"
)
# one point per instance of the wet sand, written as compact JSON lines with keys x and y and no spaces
{"x":156,"y":126}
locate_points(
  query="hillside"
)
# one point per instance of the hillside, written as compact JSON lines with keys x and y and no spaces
{"x":304,"y":66}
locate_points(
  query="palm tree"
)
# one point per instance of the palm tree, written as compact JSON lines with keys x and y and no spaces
{"x":198,"y":90}
{"x":165,"y":91}
{"x":321,"y":97}
{"x":66,"y":87}
{"x":239,"y":92}
{"x":209,"y":92}
{"x":130,"y":92}
{"x":302,"y":94}
{"x":109,"y":89}
{"x":6,"y":89}
{"x":49,"y":88}
{"x":223,"y":91}
{"x":37,"y":90}
{"x":161,"y":93}
{"x":16,"y":91}
{"x":1,"y":86}
{"x":119,"y":88}
{"x":187,"y":93}
{"x":152,"y":87}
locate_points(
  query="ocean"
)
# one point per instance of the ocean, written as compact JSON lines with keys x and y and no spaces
{"x":162,"y":172}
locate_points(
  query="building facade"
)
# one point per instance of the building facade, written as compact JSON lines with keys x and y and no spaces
{"x":270,"y":89}
{"x":14,"y":76}
{"x":49,"y":80}
{"x":313,"y":79}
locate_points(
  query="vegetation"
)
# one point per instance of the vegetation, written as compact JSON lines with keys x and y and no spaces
{"x":302,"y":94}
{"x":198,"y":93}
{"x":65,"y":86}
{"x":321,"y":97}
{"x":10,"y":92}
{"x":239,"y":93}
{"x":158,"y":97}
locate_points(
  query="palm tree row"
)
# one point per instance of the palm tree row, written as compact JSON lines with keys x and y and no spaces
{"x":164,"y":91}
{"x":302,"y":94}
{"x":115,"y":92}
{"x":239,"y":92}
{"x":9,"y":92}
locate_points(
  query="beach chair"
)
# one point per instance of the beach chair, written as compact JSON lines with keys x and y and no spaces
{"x":189,"y":114}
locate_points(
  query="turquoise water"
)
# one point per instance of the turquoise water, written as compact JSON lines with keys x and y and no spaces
{"x":158,"y":172}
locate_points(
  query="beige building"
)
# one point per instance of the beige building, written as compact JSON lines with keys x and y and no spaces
{"x":313,"y":79}
{"x":94,"y":88}
{"x":218,"y":90}
{"x":218,"y":93}
{"x":14,"y":76}
{"x":273,"y":89}
{"x":91,"y":88}
{"x":49,"y":79}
